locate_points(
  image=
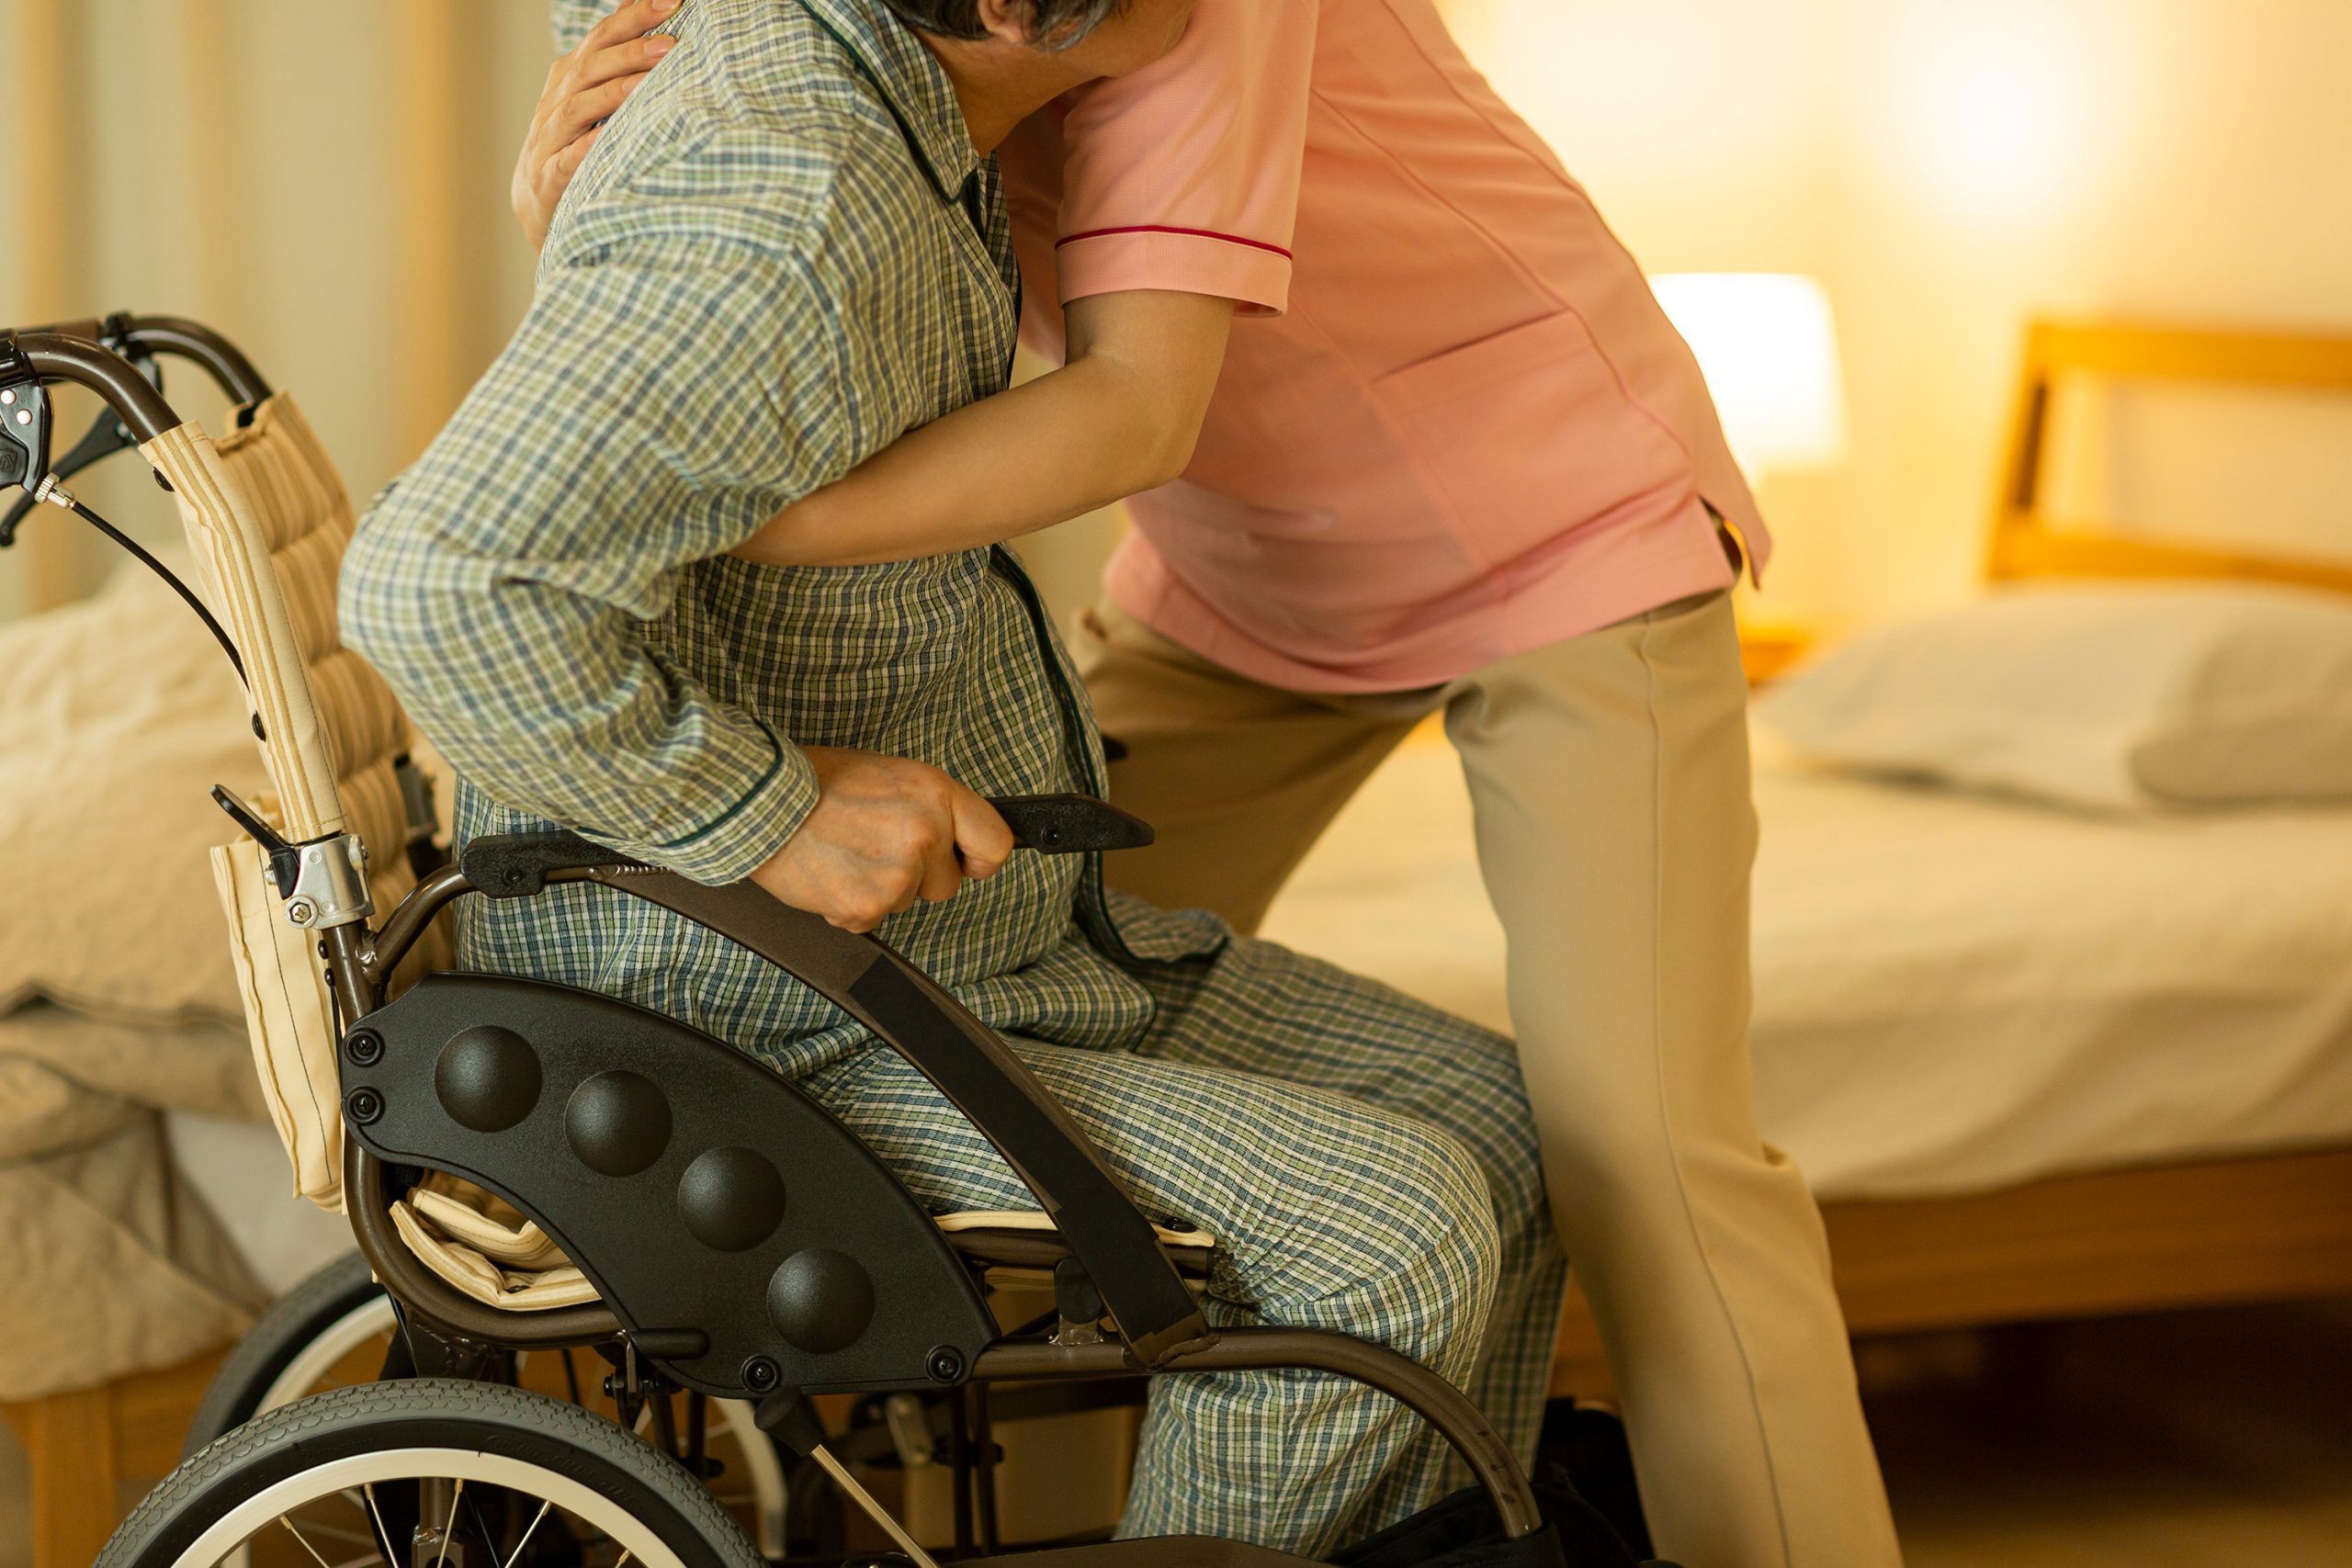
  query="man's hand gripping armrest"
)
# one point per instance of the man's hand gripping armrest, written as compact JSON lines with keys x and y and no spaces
{"x":885,"y":833}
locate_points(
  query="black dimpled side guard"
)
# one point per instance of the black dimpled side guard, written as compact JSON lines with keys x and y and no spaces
{"x":716,"y":1209}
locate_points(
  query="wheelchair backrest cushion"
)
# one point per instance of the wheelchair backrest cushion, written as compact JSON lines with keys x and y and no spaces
{"x":269,"y":519}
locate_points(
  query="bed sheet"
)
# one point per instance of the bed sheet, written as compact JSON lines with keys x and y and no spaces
{"x":1954,"y":993}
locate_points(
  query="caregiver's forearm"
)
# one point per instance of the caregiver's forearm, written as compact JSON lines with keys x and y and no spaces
{"x":1122,"y":417}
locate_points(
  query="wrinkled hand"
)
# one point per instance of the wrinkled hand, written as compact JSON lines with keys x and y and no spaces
{"x":885,"y":833}
{"x":583,"y":90}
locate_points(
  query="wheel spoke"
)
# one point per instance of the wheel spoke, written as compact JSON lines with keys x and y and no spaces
{"x":528,"y":1533}
{"x":384,"y":1536}
{"x":297,"y":1535}
{"x":458,"y":1492}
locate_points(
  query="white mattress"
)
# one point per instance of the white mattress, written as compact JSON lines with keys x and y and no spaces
{"x":1954,"y":993}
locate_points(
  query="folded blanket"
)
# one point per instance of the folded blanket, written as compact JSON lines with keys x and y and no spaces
{"x":112,"y":1264}
{"x":205,"y":1066}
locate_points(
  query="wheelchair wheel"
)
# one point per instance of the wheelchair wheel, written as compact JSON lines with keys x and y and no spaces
{"x":446,"y":1473}
{"x":330,"y":1331}
{"x":334,"y":1330}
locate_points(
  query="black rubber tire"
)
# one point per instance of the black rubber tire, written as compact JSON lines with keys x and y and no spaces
{"x":432,"y":1413}
{"x":279,"y":1336}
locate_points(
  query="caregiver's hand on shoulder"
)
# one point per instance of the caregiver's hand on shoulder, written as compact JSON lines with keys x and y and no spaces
{"x":885,"y":833}
{"x":583,"y":89}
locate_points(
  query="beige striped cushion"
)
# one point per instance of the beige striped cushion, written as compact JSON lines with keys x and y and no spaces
{"x":270,"y":520}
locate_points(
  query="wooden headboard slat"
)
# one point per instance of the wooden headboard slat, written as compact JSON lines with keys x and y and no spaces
{"x":2166,"y":354}
{"x":2027,"y":543}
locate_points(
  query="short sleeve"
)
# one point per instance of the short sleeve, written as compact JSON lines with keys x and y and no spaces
{"x":1185,"y":175}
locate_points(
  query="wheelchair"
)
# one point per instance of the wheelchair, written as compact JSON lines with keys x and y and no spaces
{"x":706,"y":1232}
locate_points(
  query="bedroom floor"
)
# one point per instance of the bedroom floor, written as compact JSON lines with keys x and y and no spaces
{"x":2202,"y":1440}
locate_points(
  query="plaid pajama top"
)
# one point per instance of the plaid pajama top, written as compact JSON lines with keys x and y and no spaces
{"x":783,"y":254}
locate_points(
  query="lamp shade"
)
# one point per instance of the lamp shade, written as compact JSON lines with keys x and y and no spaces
{"x":1767,"y":344}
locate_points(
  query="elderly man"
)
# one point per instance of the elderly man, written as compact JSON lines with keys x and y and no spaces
{"x":790,"y":248}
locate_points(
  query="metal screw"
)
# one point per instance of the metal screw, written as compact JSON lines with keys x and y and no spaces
{"x":301,"y":911}
{"x":366,"y":1047}
{"x":761,"y":1375}
{"x":364,"y":1106}
{"x":947,"y":1364}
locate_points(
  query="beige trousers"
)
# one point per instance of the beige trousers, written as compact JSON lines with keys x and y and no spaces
{"x":1609,"y":775}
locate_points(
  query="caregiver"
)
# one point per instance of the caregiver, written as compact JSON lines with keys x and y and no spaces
{"x":1415,"y":439}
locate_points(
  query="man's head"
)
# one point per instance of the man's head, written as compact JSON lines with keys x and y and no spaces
{"x":1099,"y":38}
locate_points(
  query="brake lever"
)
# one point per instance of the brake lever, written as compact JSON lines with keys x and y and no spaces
{"x":1071,"y":825}
{"x":107,"y":437}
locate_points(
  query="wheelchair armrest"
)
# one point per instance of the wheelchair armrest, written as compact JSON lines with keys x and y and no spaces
{"x":517,"y":866}
{"x":906,"y":1010}
{"x":977,"y":1073}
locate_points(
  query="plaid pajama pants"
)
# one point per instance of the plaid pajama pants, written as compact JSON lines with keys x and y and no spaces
{"x":1367,"y":1164}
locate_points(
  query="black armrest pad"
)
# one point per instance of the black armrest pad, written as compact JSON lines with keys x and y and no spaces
{"x":516,"y":866}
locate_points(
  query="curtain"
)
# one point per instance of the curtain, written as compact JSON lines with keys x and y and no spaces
{"x":323,"y":183}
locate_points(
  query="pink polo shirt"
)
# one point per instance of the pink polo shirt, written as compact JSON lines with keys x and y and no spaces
{"x":1454,"y":424}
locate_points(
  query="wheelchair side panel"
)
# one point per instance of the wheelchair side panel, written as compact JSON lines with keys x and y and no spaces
{"x":745,"y":1238}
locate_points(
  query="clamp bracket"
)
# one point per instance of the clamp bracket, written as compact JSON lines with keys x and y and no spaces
{"x":324,"y":882}
{"x":330,"y":883}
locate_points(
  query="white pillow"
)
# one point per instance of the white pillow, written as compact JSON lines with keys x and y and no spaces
{"x":2107,"y":697}
{"x":117,"y":717}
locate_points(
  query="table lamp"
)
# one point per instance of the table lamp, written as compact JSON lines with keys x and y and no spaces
{"x":1767,"y":344}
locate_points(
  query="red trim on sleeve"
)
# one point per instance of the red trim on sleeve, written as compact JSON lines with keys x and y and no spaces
{"x":1189,"y":234}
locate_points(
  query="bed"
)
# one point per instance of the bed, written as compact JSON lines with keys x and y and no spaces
{"x":145,"y":1211}
{"x":2100,"y":1065}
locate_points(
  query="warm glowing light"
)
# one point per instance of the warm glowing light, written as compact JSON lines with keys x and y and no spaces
{"x":1997,"y":110}
{"x":1767,"y":342}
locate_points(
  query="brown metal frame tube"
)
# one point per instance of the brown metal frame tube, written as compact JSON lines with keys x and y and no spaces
{"x":195,"y":341}
{"x":58,"y":358}
{"x":1043,"y":1249}
{"x":1424,"y":1392}
{"x":192,"y":341}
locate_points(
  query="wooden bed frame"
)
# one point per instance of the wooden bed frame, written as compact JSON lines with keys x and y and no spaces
{"x":2202,"y":1233}
{"x":87,"y":1445}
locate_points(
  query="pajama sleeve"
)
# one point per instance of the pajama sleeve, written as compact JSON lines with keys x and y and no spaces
{"x":668,"y":393}
{"x":1184,"y":176}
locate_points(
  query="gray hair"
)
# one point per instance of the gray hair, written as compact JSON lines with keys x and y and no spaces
{"x":1053,"y":24}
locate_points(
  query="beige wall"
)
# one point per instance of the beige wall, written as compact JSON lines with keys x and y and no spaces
{"x":325,"y":180}
{"x":1951,"y":167}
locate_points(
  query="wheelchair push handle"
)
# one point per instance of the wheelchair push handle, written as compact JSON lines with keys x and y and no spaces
{"x":56,"y":356}
{"x":136,"y":337}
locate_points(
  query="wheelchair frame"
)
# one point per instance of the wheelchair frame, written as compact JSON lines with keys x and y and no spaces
{"x":1108,"y":1259}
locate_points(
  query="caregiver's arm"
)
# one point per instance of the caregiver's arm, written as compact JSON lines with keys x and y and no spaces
{"x":1120,"y":418}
